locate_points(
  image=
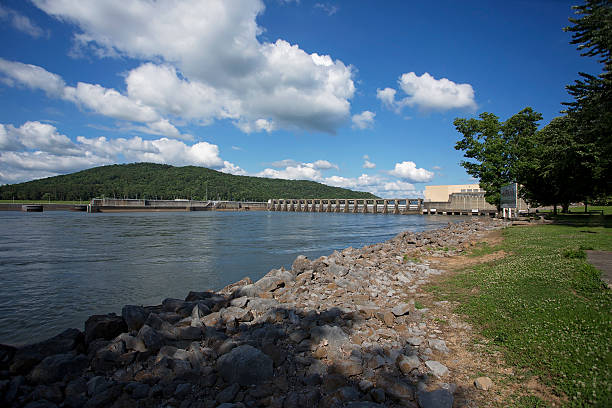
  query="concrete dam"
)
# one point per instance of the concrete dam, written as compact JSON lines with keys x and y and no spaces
{"x":459,"y":204}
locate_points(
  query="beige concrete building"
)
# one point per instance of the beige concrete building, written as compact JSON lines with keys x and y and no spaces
{"x":442,"y":193}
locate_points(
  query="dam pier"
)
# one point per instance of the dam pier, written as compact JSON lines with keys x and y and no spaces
{"x":466,"y":206}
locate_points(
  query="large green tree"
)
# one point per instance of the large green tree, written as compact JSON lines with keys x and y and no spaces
{"x":591,"y":110}
{"x":498,"y":153}
{"x":553,"y":168}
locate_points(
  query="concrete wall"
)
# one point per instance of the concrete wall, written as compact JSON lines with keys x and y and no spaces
{"x":442,"y":193}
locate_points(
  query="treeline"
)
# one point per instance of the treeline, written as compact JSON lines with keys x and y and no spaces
{"x":569,"y":159}
{"x":159,"y":181}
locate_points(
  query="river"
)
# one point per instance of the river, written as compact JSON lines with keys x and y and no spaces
{"x":58,"y":268}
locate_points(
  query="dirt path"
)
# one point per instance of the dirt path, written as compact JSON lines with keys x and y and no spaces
{"x":471,"y":355}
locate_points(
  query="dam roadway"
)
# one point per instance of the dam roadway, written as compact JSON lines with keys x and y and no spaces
{"x":399,"y":206}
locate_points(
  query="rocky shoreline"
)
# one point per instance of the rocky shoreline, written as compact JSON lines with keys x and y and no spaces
{"x":341,"y":330}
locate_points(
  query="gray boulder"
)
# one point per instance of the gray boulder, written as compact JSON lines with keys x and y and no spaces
{"x":235,"y":313}
{"x":300,"y":265}
{"x":438,"y":369}
{"x":333,"y":335}
{"x":245,"y":365}
{"x":104,"y":327}
{"x":337,"y":270}
{"x":435,"y":399}
{"x":57,"y":367}
{"x":194,"y":296}
{"x":134,"y":316}
{"x":269,"y":283}
{"x":401,"y":309}
{"x":27,"y":357}
{"x":260,"y":305}
{"x":249,"y":291}
{"x":150,"y":337}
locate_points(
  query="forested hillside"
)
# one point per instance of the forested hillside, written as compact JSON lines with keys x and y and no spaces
{"x":148,"y":180}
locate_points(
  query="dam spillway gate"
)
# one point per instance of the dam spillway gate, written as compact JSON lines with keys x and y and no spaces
{"x":387,"y":206}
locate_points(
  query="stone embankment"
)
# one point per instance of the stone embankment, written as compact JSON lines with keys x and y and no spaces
{"x":341,"y":330}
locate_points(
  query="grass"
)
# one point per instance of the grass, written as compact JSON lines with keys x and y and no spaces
{"x":546,"y":308}
{"x":418,"y":305}
{"x":607,"y":209}
{"x":483,"y":248}
{"x":41,"y":202}
{"x":411,"y":259}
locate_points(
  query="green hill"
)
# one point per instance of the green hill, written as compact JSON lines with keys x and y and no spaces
{"x":148,"y":180}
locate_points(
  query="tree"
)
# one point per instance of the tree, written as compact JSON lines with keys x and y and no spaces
{"x":554,"y":168}
{"x":591,"y":110}
{"x":499,"y":152}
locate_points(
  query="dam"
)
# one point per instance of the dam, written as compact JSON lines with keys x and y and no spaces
{"x":459,"y":204}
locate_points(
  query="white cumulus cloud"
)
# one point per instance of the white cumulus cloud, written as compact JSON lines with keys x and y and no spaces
{"x":408,"y":170}
{"x":20,"y":22}
{"x":31,"y":76}
{"x":37,"y":149}
{"x":209,"y":63}
{"x":368,"y":165}
{"x":428,"y":93}
{"x":363,"y":120}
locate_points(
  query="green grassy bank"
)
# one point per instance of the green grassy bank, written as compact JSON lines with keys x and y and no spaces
{"x":545,"y":308}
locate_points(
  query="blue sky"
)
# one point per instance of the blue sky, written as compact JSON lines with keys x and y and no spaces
{"x":352,"y":94}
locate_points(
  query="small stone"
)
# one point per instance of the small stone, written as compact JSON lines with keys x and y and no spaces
{"x":439,"y":345}
{"x":389,"y":319}
{"x":438,"y":369}
{"x":138,"y":390}
{"x":51,"y":393}
{"x":347,"y":393}
{"x":228,"y":393}
{"x":348,"y":367}
{"x":378,"y":394}
{"x":483,"y":383}
{"x":414,"y":341}
{"x":365,"y":385}
{"x":41,"y":404}
{"x":277,"y":354}
{"x":182,"y":391}
{"x":401,"y":309}
{"x":188,"y":333}
{"x":408,"y":363}
{"x":396,"y":388}
{"x":97,"y":384}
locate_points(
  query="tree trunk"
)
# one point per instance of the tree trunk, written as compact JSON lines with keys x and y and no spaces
{"x":586,"y":206}
{"x":555,"y":209}
{"x":565,"y":208}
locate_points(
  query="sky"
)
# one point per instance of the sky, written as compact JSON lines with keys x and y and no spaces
{"x":355,"y":94}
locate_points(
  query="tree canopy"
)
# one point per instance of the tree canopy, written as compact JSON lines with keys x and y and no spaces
{"x":569,"y":159}
{"x":497,"y":150}
{"x":591,"y":109}
{"x":149,"y":180}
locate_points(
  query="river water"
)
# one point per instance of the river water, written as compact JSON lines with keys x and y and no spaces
{"x":58,"y":268}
